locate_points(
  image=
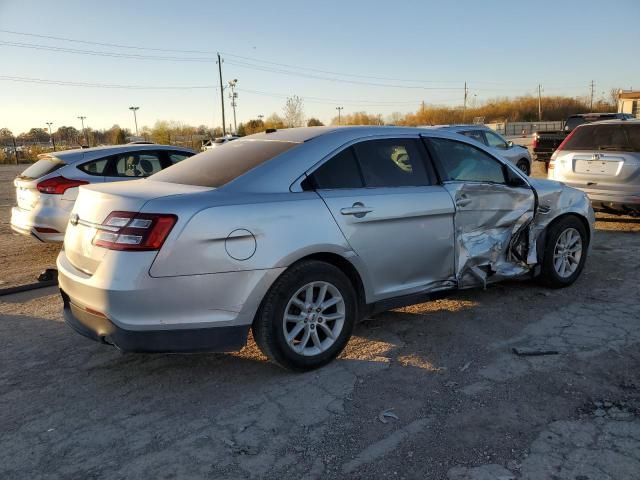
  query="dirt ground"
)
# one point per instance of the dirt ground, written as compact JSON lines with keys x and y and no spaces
{"x":459,"y":404}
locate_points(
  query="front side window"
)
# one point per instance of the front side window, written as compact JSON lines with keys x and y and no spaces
{"x":137,"y":164}
{"x":466,"y":163}
{"x":392,"y":163}
{"x":495,"y":141}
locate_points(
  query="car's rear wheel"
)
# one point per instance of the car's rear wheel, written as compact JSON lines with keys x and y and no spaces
{"x":307,"y":317}
{"x":523,"y":165}
{"x":565,"y":252}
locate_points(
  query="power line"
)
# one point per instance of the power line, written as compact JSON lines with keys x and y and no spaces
{"x":102,"y":44}
{"x":103,"y":85}
{"x":35,"y":46}
{"x":310,"y":99}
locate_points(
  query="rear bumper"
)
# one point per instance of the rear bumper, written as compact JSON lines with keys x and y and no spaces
{"x":47,"y":227}
{"x":121,"y":304}
{"x":608,"y":201}
{"x":103,"y":330}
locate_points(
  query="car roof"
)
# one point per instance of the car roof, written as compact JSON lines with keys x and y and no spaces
{"x":596,"y":114}
{"x":78,"y":154}
{"x":614,"y":121}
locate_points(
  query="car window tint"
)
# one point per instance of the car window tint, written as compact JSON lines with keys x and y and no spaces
{"x":42,"y":167}
{"x":495,"y":141}
{"x":605,"y":137}
{"x":463,"y":162}
{"x":392,"y":163}
{"x":137,"y":164}
{"x":95,"y":167}
{"x":476,"y":135}
{"x":218,"y":166}
{"x":341,"y":171}
{"x":176,"y":157}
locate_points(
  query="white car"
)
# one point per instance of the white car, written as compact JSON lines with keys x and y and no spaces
{"x":47,"y":190}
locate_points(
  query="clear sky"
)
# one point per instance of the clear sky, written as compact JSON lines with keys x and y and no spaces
{"x":378,"y":56}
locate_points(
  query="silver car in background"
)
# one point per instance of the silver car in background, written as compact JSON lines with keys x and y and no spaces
{"x":47,"y":190}
{"x":299,"y":233}
{"x":517,"y":154}
{"x":603,"y":160}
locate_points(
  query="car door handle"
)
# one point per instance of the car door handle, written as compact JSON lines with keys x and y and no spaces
{"x":358,"y":210}
{"x":463,"y":202}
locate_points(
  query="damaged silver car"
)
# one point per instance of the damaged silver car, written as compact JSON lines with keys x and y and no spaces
{"x":298,"y":233}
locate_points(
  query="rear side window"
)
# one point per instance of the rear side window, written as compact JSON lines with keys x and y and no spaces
{"x":392,"y":163}
{"x":465,"y":163}
{"x":42,"y":167}
{"x":137,"y":164}
{"x":625,"y":138}
{"x":219,"y":166}
{"x":339,"y":172}
{"x":97,"y":167}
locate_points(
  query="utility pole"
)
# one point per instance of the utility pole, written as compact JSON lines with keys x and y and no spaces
{"x":464,"y":106}
{"x":84,"y":132}
{"x":233,"y":95}
{"x":53,"y":142}
{"x":539,"y":102}
{"x":135,"y":118}
{"x":339,"y":110}
{"x":224,"y":128}
{"x":593,"y":87}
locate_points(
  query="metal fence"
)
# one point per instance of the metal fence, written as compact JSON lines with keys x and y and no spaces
{"x":524,"y":128}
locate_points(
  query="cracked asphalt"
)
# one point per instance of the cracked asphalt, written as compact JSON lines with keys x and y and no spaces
{"x":467,"y":406}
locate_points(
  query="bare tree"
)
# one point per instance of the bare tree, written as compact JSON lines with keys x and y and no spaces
{"x":293,"y":112}
{"x":613,"y":96}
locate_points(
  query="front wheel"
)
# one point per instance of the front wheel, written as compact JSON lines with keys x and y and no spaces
{"x":307,"y":317}
{"x":565,"y":253}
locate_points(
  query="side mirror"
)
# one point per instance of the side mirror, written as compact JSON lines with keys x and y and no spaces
{"x":513,"y":179}
{"x":509,"y":144}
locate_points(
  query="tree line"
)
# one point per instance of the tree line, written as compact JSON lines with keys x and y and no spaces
{"x":522,"y":108}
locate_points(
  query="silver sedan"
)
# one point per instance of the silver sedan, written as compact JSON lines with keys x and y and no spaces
{"x":297,"y":234}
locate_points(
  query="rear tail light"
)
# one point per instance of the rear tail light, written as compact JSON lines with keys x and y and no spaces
{"x":566,"y":139}
{"x":58,"y":185}
{"x":134,"y":231}
{"x":536,"y":138}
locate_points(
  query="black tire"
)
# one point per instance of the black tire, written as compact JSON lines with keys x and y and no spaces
{"x":268,"y":329}
{"x":549,"y":277}
{"x":523,"y":166}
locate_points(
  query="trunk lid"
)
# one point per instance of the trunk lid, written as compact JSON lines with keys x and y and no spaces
{"x":96,"y":202}
{"x":613,"y":171}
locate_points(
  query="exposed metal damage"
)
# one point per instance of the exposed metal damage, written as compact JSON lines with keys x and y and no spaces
{"x":497,"y":237}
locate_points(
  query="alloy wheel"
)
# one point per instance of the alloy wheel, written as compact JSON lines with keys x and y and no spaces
{"x":314,"y":318}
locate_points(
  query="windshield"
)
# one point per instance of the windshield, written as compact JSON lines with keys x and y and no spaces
{"x":625,"y":138}
{"x":42,"y":167}
{"x":219,"y":166}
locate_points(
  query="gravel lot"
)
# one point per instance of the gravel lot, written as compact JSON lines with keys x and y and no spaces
{"x":466,"y":406}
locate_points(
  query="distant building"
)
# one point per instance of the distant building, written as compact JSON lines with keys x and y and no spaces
{"x":629,"y":102}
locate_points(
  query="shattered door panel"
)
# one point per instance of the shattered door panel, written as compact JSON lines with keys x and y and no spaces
{"x":491,"y":223}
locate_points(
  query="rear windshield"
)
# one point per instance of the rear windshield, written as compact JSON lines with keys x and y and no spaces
{"x":625,"y":138}
{"x":42,"y":167}
{"x":219,"y":166}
